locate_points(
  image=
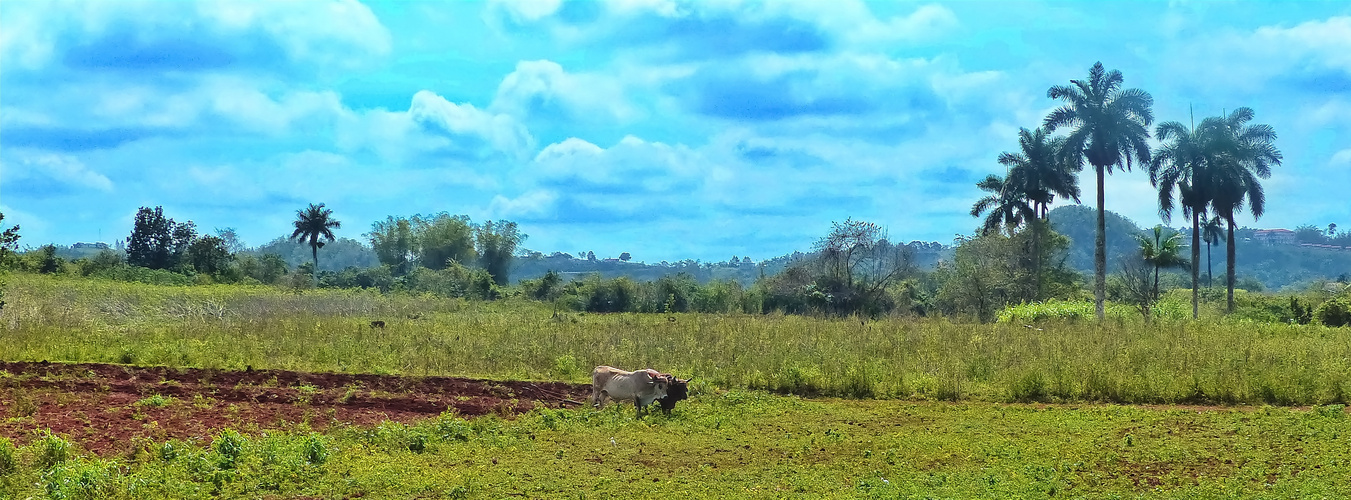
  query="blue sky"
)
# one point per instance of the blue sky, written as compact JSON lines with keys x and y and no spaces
{"x":668,"y":129}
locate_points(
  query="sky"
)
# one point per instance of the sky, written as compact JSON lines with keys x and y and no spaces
{"x":668,"y":129}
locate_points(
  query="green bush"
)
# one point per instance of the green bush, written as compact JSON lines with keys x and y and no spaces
{"x":1335,"y":312}
{"x":9,"y":461}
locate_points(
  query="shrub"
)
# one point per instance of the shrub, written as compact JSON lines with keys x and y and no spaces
{"x":52,"y":450}
{"x":1335,"y":312}
{"x":230,"y":446}
{"x":9,"y":462}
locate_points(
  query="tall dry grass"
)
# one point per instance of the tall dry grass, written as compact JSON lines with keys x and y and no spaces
{"x":230,"y":327}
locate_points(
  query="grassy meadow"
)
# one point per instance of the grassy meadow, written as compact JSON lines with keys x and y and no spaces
{"x":231,"y":327}
{"x":738,"y":444}
{"x":893,"y":408}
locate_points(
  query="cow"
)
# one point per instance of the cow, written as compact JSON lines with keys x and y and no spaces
{"x":677,"y":390}
{"x":642,"y":386}
{"x":378,"y":324}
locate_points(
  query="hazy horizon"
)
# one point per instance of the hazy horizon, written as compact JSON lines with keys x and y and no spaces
{"x":670,"y":130}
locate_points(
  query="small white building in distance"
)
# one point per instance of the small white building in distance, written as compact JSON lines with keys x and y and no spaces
{"x":1274,"y":236}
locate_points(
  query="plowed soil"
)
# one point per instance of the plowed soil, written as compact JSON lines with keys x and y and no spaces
{"x":106,"y":408}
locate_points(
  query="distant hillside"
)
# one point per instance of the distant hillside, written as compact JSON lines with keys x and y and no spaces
{"x":1079,"y":223}
{"x":744,"y":271}
{"x":1276,"y":266}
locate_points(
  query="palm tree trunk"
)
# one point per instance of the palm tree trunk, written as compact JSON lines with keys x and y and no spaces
{"x":314,"y":251}
{"x":1100,"y":252}
{"x":1156,"y":280}
{"x":1210,"y":270}
{"x":1196,"y":257}
{"x":1230,"y":269}
{"x":1036,"y":254}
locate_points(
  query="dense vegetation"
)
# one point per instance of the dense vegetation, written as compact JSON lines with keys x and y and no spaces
{"x":736,"y":444}
{"x":1026,"y":357}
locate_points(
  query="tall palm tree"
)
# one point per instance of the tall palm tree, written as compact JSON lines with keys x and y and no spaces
{"x":1039,"y":172}
{"x":1213,"y":233}
{"x":314,"y":224}
{"x":1162,"y":253}
{"x":1006,"y":203}
{"x":1109,"y":126}
{"x":1242,"y":154}
{"x":1180,"y":163}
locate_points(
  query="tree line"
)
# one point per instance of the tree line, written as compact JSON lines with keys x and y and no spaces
{"x":1214,"y":169}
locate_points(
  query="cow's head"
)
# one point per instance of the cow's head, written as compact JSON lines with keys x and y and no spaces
{"x":678,"y":389}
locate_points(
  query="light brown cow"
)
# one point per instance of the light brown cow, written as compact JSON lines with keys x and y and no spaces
{"x":642,"y":386}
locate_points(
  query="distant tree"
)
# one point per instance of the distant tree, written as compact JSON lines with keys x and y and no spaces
{"x":496,"y":242}
{"x":443,"y":238}
{"x":394,"y":243}
{"x":625,"y":257}
{"x":1332,"y":230}
{"x":1213,"y":233}
{"x":1309,"y":233}
{"x":1108,"y":127}
{"x":1007,"y":206}
{"x":209,"y":255}
{"x":9,"y":242}
{"x":156,"y":241}
{"x":1162,"y":252}
{"x":1133,"y":284}
{"x":1182,"y":163}
{"x":1037,"y":173}
{"x":184,"y":234}
{"x":591,"y":256}
{"x":266,"y":268}
{"x":48,"y":262}
{"x":1245,"y":154}
{"x":231,"y":239}
{"x":314,"y":224}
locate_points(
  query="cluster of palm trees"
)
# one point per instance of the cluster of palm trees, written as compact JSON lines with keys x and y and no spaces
{"x":1214,"y":168}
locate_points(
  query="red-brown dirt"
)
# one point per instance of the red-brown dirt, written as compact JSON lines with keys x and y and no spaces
{"x":96,"y":405}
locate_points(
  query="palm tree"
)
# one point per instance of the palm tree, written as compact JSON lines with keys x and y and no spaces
{"x":1162,"y":253}
{"x":1109,"y":127}
{"x":1213,"y":233}
{"x":1180,"y":163}
{"x":1007,"y":205}
{"x":1241,"y":155}
{"x":312,"y":225}
{"x":1039,"y":172}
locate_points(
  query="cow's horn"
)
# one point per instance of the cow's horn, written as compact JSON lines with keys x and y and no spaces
{"x":688,"y":380}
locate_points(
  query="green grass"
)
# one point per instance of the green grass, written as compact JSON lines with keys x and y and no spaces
{"x":231,"y":327}
{"x":742,"y":445}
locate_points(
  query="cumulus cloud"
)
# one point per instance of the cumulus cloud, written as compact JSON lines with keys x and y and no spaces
{"x":49,"y":172}
{"x":1342,"y":157}
{"x":435,"y":128}
{"x":192,"y":36}
{"x":1309,"y":56}
{"x":543,"y":89}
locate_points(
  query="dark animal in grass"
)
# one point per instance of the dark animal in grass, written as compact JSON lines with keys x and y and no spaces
{"x":378,"y":324}
{"x":675,"y":392}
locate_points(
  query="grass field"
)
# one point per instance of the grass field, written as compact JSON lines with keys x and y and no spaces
{"x":234,"y":327}
{"x":926,"y":413}
{"x":742,"y":445}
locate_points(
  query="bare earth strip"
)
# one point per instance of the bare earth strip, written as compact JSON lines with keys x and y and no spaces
{"x":106,"y":408}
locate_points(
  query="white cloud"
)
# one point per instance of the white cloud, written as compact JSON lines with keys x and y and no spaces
{"x":1248,"y":60}
{"x":633,"y":162}
{"x":541,"y":86}
{"x":337,"y":34}
{"x":523,"y":11}
{"x":1342,"y":157}
{"x":535,"y":203}
{"x":63,"y":169}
